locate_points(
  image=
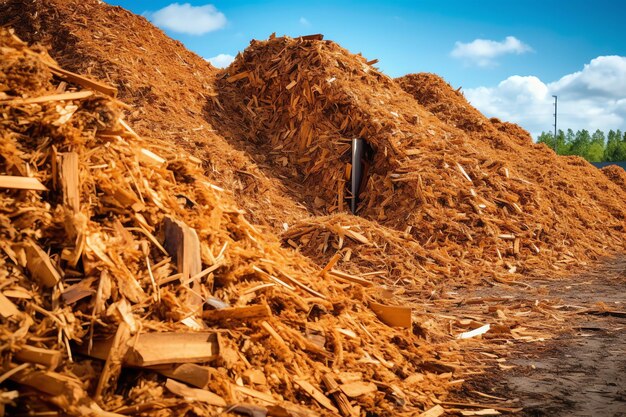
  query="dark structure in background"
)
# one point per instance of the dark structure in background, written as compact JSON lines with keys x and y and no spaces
{"x":604,"y":164}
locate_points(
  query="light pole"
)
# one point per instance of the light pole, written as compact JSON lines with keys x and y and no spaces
{"x":555,"y":139}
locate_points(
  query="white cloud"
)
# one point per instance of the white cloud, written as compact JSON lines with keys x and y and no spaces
{"x":482,"y":52}
{"x":593,"y":98}
{"x":304,"y":22}
{"x":185,"y":18}
{"x":221,"y":60}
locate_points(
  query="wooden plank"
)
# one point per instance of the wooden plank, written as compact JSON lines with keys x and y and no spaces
{"x":76,"y":95}
{"x":83,"y":81}
{"x":47,"y":357}
{"x":473,"y":333}
{"x":189,"y":373}
{"x":358,"y":388}
{"x":7,"y":308}
{"x":149,"y":349}
{"x":238,"y":77}
{"x":253,"y":312}
{"x":435,"y":411}
{"x":394,"y":316}
{"x":343,"y":403}
{"x":315,"y":393}
{"x":476,"y":405}
{"x":69,"y":180}
{"x":40,"y":266}
{"x":183,"y":245}
{"x":315,"y":37}
{"x":21,"y":183}
{"x":194,"y":394}
{"x":161,"y":348}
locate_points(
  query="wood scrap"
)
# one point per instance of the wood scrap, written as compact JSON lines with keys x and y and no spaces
{"x":194,"y":394}
{"x":358,"y":388}
{"x":434,"y":411}
{"x":253,"y":312}
{"x":315,"y":393}
{"x":40,"y":266}
{"x":21,"y":183}
{"x":46,"y":357}
{"x":394,"y":316}
{"x":342,"y":401}
{"x":189,"y":373}
{"x":7,"y":308}
{"x":150,"y":349}
{"x":69,"y":179}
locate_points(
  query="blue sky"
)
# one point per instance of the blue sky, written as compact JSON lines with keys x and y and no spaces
{"x":481,"y":46}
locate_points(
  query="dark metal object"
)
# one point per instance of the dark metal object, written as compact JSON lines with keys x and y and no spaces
{"x":357,"y":172}
{"x":555,"y":137}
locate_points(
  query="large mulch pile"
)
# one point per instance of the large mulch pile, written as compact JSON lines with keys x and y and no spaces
{"x":177,"y":240}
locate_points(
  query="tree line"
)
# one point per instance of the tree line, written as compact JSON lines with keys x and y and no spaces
{"x":594,"y":147}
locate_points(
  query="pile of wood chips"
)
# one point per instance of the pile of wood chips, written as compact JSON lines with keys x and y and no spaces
{"x":471,"y":197}
{"x":132,"y":285}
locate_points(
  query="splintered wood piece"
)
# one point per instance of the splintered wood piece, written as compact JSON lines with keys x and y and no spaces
{"x":149,"y":349}
{"x":7,"y":308}
{"x":331,"y":263}
{"x":161,"y":348}
{"x":150,"y":157}
{"x":69,"y":179}
{"x":315,"y":393}
{"x":82,"y":80}
{"x":77,"y":95}
{"x":183,"y":245}
{"x":435,"y":411}
{"x":64,"y":390}
{"x":40,"y":266}
{"x":47,"y":357}
{"x":194,"y":394}
{"x":393,"y":316}
{"x":253,"y":312}
{"x":476,"y":332}
{"x":113,"y":365}
{"x":21,"y":183}
{"x":238,"y":77}
{"x":285,"y":351}
{"x":342,"y":276}
{"x":340,"y":398}
{"x":358,"y":388}
{"x":483,"y":412}
{"x":315,"y":37}
{"x":263,"y":396}
{"x":189,"y":373}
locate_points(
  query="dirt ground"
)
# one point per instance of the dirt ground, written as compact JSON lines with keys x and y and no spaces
{"x":580,"y":372}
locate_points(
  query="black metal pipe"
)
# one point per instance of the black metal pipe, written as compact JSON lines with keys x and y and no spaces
{"x":357,"y":172}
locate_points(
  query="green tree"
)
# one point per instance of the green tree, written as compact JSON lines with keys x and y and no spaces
{"x":598,"y":137}
{"x":620,"y":153}
{"x":581,"y":143}
{"x":547,"y":138}
{"x":595,"y":152}
{"x":612,"y":146}
{"x":569,"y":142}
{"x":562,"y":147}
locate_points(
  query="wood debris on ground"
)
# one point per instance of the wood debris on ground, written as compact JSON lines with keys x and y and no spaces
{"x":123,"y":266}
{"x":133,"y":284}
